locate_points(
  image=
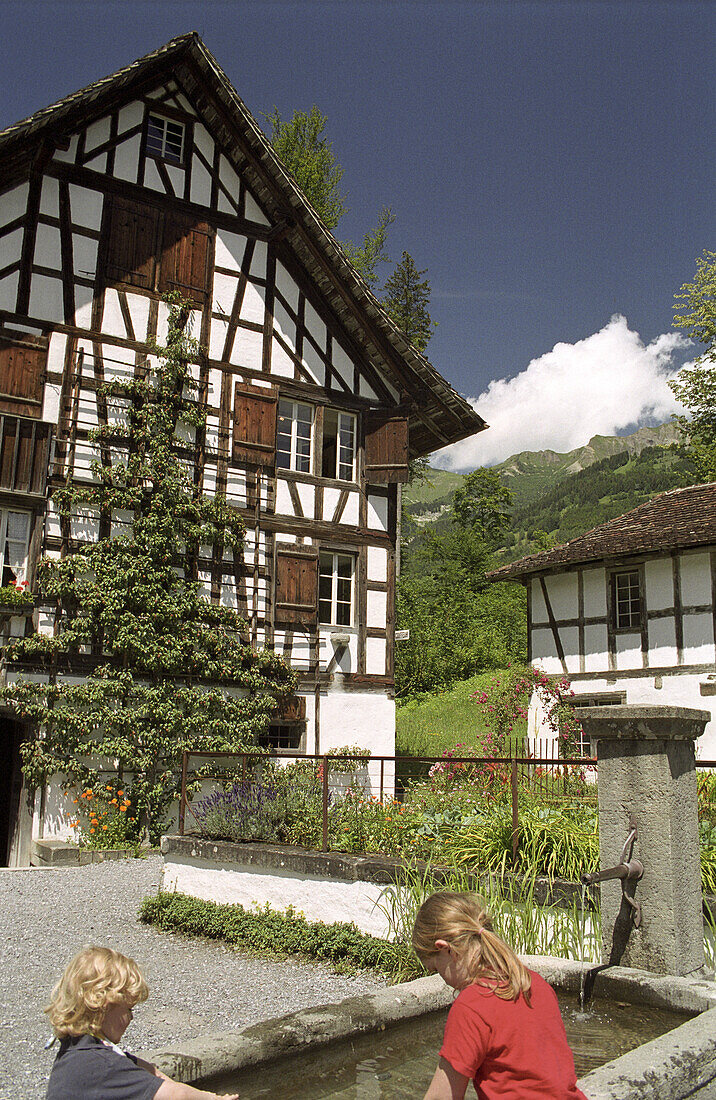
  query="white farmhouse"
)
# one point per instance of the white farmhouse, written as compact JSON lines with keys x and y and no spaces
{"x":156,"y":179}
{"x":627,"y":611}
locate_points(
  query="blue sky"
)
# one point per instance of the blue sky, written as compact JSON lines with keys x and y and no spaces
{"x":549,"y":163}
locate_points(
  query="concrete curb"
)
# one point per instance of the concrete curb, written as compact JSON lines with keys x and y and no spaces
{"x":216,"y":1055}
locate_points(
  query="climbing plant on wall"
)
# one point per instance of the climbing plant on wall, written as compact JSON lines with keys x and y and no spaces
{"x":164,"y":668}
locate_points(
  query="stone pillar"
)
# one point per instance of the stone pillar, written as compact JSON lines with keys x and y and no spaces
{"x":647,"y":775}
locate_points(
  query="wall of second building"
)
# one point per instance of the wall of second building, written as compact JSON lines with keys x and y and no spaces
{"x":668,"y":659}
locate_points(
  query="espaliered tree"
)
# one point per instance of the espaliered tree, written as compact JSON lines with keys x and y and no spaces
{"x":170,"y":670}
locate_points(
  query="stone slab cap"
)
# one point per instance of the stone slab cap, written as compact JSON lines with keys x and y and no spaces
{"x":633,"y":722}
{"x":675,"y":1066}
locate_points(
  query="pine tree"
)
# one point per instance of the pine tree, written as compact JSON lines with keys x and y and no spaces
{"x":171,"y":671}
{"x":406,"y":299}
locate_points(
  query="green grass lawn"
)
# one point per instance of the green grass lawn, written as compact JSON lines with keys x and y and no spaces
{"x":429,"y":726}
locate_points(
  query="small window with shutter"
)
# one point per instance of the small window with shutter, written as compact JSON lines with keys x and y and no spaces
{"x":22,"y":377}
{"x":336,"y":588}
{"x":296,"y":585}
{"x":254,"y":424}
{"x":386,"y":448}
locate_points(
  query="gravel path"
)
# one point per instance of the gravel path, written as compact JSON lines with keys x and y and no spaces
{"x":195,"y":986}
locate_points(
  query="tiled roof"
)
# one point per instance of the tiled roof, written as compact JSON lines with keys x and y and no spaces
{"x":679,"y":518}
{"x":439,"y":414}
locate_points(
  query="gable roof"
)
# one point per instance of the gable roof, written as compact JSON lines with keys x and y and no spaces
{"x":672,"y":521}
{"x":437,"y":413}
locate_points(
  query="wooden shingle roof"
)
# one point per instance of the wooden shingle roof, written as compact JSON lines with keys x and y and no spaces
{"x":675,"y":520}
{"x":438,"y":415}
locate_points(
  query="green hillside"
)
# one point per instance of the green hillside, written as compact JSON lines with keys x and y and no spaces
{"x":558,"y":496}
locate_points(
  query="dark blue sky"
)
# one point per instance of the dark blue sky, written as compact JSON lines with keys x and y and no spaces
{"x":550,"y":163}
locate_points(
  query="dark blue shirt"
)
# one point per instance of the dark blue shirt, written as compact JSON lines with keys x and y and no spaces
{"x":88,"y":1069}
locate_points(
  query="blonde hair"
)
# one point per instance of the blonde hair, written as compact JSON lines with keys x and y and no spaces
{"x":462,"y":921}
{"x":94,"y":979}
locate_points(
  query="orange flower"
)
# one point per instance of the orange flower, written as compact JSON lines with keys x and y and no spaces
{"x":105,"y":826}
{"x":113,"y":801}
{"x":120,"y":793}
{"x":123,"y":809}
{"x":108,"y":787}
{"x":91,"y":830}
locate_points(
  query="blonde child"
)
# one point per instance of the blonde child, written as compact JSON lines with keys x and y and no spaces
{"x":90,"y":1010}
{"x":504,"y":1029}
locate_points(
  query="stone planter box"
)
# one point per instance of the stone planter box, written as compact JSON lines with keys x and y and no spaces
{"x":325,"y":886}
{"x":61,"y":853}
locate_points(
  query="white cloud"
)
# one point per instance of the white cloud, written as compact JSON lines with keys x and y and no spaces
{"x":597,"y":386}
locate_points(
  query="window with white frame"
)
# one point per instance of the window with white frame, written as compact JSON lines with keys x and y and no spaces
{"x":14,"y":544}
{"x":165,"y":139}
{"x":339,"y":445}
{"x":627,"y":600}
{"x":293,"y":436}
{"x":336,"y":583}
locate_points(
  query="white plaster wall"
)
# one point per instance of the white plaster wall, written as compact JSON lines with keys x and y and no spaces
{"x":695,"y":579}
{"x":358,"y":717}
{"x":662,"y":642}
{"x":562,"y":592}
{"x":698,"y":638}
{"x":659,"y":584}
{"x":628,"y":651}
{"x":378,"y":512}
{"x":377,"y":606}
{"x":13,"y":204}
{"x":539,"y":611}
{"x":377,"y":563}
{"x":86,"y":206}
{"x":287,"y":286}
{"x":595,"y":643}
{"x":569,"y":636}
{"x":595,"y":592}
{"x":375,"y":656}
{"x":318,"y":899}
{"x":254,"y":213}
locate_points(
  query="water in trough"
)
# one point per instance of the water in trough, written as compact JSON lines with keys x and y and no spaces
{"x":398,"y":1063}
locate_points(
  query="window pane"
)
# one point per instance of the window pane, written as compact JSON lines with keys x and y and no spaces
{"x":324,"y":611}
{"x":343,"y":616}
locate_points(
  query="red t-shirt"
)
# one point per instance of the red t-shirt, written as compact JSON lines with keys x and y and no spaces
{"x":511,"y":1050}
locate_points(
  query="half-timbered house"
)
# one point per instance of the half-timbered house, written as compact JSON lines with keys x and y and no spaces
{"x":627,"y":612}
{"x":158,"y":179}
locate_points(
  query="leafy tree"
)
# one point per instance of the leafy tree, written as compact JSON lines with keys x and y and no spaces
{"x":483,"y":503}
{"x":171,"y":669}
{"x":406,"y":299}
{"x":695,"y":386}
{"x":308,"y":155}
{"x":309,"y":158}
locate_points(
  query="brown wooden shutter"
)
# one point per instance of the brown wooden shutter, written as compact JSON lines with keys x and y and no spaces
{"x":24,"y":454}
{"x":254,"y":424}
{"x":131,"y":243}
{"x":185,"y":257}
{"x":22,"y":377}
{"x":386,"y":447}
{"x":296,"y":585}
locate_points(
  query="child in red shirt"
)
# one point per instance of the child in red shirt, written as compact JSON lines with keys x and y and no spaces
{"x":504,"y":1029}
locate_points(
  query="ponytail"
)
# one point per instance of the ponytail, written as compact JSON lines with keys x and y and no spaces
{"x":462,"y":921}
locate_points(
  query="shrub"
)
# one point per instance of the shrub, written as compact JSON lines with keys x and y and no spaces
{"x":265,"y":931}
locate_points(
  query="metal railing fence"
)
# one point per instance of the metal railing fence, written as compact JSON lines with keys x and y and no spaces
{"x":549,"y":776}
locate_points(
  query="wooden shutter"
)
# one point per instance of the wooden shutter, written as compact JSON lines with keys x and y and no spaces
{"x":185,"y":257}
{"x":296,"y":585}
{"x":254,"y":424}
{"x":24,"y":454}
{"x":22,"y":377}
{"x":131,"y":243}
{"x":386,"y":448}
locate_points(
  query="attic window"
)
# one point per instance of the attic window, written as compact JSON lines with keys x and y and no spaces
{"x":165,"y":139}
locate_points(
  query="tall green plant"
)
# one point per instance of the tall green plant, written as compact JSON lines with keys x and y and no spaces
{"x":170,"y":669}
